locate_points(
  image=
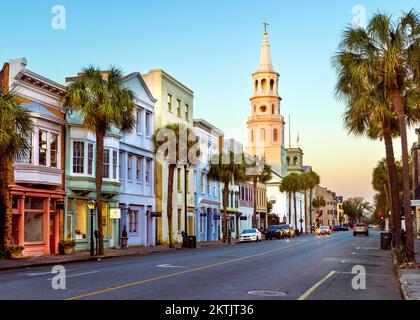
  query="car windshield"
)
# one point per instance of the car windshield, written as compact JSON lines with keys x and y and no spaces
{"x":286,"y":226}
{"x":324,"y":228}
{"x":360,"y":225}
{"x":248,"y":231}
{"x":270,"y":228}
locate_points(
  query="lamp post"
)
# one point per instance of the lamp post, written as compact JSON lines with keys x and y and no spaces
{"x":91,"y":204}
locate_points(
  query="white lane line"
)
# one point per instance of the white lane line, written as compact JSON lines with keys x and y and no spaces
{"x":77,"y":274}
{"x":167,"y":265}
{"x":316,"y":286}
{"x":367,"y":274}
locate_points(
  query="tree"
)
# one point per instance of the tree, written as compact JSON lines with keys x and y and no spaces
{"x":354,"y":208}
{"x":314,"y":180}
{"x":227,"y":167}
{"x":15,"y":134}
{"x":260,"y":172}
{"x":389,"y":52}
{"x":173,"y":144}
{"x":105,"y":103}
{"x":291,"y":185}
{"x":319,"y":202}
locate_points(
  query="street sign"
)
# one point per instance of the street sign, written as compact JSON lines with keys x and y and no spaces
{"x":115,"y":213}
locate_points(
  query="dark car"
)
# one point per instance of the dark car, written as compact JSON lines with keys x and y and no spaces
{"x":340,"y":228}
{"x":274,"y":232}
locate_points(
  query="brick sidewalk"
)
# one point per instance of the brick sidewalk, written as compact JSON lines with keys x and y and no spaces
{"x":410,"y":278}
{"x":84,"y":255}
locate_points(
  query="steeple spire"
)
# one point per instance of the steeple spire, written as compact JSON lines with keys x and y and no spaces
{"x":265,"y":61}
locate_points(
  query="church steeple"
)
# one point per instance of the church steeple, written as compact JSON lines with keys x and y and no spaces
{"x":265,"y":60}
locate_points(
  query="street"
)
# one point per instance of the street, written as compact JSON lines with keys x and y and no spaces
{"x":307,"y":267}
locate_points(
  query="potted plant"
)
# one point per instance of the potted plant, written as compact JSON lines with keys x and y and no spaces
{"x":67,"y":246}
{"x":124,"y":238}
{"x":15,"y":251}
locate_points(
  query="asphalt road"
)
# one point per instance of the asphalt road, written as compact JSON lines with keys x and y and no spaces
{"x":302,"y":268}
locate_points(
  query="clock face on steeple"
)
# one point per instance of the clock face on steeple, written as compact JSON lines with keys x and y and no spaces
{"x":263,"y":109}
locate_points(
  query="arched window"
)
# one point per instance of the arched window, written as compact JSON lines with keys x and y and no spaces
{"x":262,"y":138}
{"x":263,"y":85}
{"x":272,"y":85}
{"x":252,"y":136}
{"x":256,"y":85}
{"x":288,"y":161}
{"x":255,"y":108}
{"x":273,"y":109}
{"x":295,"y":161}
{"x":275,"y":135}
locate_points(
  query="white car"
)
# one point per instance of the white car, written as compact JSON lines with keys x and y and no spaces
{"x":250,"y":235}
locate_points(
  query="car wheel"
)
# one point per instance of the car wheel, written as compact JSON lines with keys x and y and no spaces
{"x":367,"y":234}
{"x":354,"y":234}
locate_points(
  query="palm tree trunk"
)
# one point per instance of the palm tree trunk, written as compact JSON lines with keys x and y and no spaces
{"x":290,"y":208}
{"x":397,"y":103}
{"x":98,"y":181}
{"x":393,"y":182}
{"x":306,"y":211}
{"x":6,"y":202}
{"x":225,"y":205}
{"x":169,"y":208}
{"x":310,"y":209}
{"x":254,"y":217}
{"x":295,"y":207}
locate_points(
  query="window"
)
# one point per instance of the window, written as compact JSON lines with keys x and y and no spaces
{"x":203,"y":177}
{"x":139,"y":168}
{"x":27,"y":156}
{"x":148,"y":124}
{"x":42,"y":138}
{"x":295,"y":161}
{"x":179,"y":179}
{"x":133,"y":221}
{"x":170,"y":102}
{"x":214,"y":187}
{"x":34,"y":227}
{"x":34,"y":204}
{"x":263,"y":85}
{"x":114,"y":164}
{"x":129,"y":164}
{"x":187,"y":112}
{"x":275,"y":135}
{"x":256,"y":85}
{"x":202,"y":219}
{"x":262,"y":138}
{"x":178,"y":107}
{"x":53,"y":149}
{"x":273,"y":109}
{"x":272,"y":85}
{"x":148,"y":168}
{"x":208,"y":185}
{"x":90,"y":158}
{"x":252,"y":136}
{"x":120,"y":165}
{"x":138,"y":123}
{"x":78,"y":156}
{"x":106,"y":164}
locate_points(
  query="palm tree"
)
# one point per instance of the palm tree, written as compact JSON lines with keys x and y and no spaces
{"x":225,"y":168}
{"x":390,"y":53}
{"x":105,"y":103}
{"x":319,"y":202}
{"x":291,"y":185}
{"x":170,"y":142}
{"x":15,"y":134}
{"x":305,"y":181}
{"x":261,"y":172}
{"x":314,"y":180}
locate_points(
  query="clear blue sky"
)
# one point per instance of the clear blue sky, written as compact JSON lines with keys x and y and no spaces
{"x":213,"y":47}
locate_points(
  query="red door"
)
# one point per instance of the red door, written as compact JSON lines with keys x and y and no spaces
{"x":52,"y":233}
{"x":15,"y":229}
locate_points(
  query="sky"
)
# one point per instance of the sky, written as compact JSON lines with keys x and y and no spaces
{"x":213,"y":47}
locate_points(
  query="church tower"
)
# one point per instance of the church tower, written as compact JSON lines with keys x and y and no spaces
{"x":266,"y":125}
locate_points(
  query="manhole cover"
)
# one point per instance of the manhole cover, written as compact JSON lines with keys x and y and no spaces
{"x":268,"y":293}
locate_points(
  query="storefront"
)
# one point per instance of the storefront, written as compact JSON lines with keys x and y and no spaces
{"x":38,"y":219}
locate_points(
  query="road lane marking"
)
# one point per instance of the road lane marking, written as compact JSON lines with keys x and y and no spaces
{"x":35,"y":274}
{"x":316,"y":286}
{"x":367,"y":274}
{"x":167,"y":265}
{"x":131,"y":284}
{"x":77,"y":275}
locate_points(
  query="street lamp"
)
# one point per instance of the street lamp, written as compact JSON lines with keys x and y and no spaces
{"x":91,"y":204}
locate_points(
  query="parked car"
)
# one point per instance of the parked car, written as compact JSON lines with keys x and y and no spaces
{"x":361,"y":228}
{"x":323,"y":230}
{"x":340,"y":228}
{"x":288,"y":231}
{"x":274,"y":232}
{"x":250,"y":235}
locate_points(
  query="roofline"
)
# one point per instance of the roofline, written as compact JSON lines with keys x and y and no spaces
{"x":139,"y":76}
{"x":172,"y":79}
{"x":208,"y":125}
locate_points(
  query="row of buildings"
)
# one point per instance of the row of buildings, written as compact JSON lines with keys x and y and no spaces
{"x":56,"y":178}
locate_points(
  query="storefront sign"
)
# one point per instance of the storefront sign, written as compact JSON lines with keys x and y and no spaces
{"x":115,"y":213}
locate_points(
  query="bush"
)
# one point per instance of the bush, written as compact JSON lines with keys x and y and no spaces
{"x":16,"y":249}
{"x":66,"y":243}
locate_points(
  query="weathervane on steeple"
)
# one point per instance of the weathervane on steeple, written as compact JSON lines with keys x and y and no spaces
{"x":266,"y":24}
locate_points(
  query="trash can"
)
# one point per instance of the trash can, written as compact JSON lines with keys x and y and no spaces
{"x":386,"y":238}
{"x":192,"y":242}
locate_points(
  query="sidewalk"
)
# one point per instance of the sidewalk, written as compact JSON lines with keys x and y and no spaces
{"x":410,"y":277}
{"x":26,"y":262}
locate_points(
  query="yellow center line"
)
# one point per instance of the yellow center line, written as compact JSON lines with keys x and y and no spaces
{"x":316,"y":286}
{"x":131,"y":284}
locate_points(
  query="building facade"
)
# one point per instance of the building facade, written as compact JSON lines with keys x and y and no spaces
{"x":415,"y":155}
{"x":246,"y":206}
{"x":326,"y":215}
{"x":38,"y":188}
{"x":174,"y":105}
{"x":136,"y":168}
{"x":207,"y":191}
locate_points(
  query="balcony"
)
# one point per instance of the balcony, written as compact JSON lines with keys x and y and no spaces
{"x":28,"y":173}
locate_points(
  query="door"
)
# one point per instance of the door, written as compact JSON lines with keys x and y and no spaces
{"x":52,"y":233}
{"x":15,"y":228}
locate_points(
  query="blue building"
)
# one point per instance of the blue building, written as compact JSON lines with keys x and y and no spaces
{"x":207,"y":191}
